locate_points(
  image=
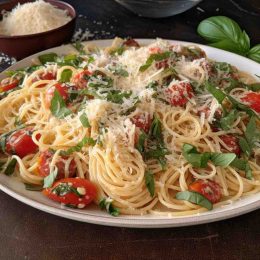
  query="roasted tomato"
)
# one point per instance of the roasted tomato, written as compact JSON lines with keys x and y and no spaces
{"x":232,"y":142}
{"x":80,"y":79}
{"x":44,"y":165}
{"x":73,"y":192}
{"x":178,"y":94}
{"x":21,"y":143}
{"x":143,"y":121}
{"x":209,"y":189}
{"x":8,"y":84}
{"x":252,"y":99}
{"x":63,"y":91}
{"x":131,"y":43}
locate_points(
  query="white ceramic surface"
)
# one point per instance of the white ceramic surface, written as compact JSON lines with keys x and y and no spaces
{"x":92,"y":214}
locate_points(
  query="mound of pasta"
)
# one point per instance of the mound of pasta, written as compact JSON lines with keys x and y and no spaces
{"x":157,"y":129}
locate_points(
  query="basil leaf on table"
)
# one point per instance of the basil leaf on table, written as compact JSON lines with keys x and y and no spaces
{"x":65,"y":75}
{"x":195,"y":198}
{"x":58,"y":106}
{"x":149,"y":182}
{"x":48,"y":57}
{"x":223,"y":32}
{"x":254,"y":53}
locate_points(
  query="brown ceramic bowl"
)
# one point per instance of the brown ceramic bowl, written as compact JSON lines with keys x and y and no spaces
{"x":25,"y":45}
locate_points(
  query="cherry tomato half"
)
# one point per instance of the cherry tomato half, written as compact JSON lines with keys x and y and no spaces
{"x":75,"y":192}
{"x":9,"y":84}
{"x":232,"y":142}
{"x":143,"y":121}
{"x":63,"y":91}
{"x":21,"y":143}
{"x":178,"y":94}
{"x":253,"y":100}
{"x":44,"y":165}
{"x":209,"y":189}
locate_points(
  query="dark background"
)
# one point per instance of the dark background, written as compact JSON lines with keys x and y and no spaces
{"x":27,"y":233}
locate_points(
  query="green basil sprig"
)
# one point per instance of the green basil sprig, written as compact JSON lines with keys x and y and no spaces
{"x":10,"y":167}
{"x":106,"y":203}
{"x":149,"y":182}
{"x":49,"y":180}
{"x":48,"y":57}
{"x":84,"y":120}
{"x":224,"y":33}
{"x":65,"y":76}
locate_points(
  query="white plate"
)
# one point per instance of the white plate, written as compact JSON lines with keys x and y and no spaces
{"x":16,"y":189}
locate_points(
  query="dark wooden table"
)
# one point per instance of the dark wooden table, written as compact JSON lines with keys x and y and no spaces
{"x":27,"y":233}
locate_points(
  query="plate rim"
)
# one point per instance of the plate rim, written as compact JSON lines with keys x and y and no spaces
{"x":134,"y":222}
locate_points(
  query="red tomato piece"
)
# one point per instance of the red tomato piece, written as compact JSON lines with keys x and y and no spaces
{"x":178,"y":94}
{"x":253,"y":100}
{"x":162,"y":64}
{"x":80,"y":79}
{"x":131,"y":43}
{"x":143,"y":121}
{"x":232,"y":142}
{"x":44,"y":165}
{"x":209,"y":189}
{"x":21,"y":143}
{"x":63,"y":91}
{"x":10,"y":84}
{"x":75,"y":192}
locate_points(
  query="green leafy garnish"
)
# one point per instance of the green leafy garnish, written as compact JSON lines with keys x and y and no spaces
{"x":106,"y":203}
{"x":224,"y":33}
{"x":64,"y":188}
{"x":218,"y":94}
{"x":48,"y":57}
{"x":227,"y":121}
{"x":79,"y":146}
{"x":243,"y":165}
{"x":66,"y":75}
{"x":156,"y":129}
{"x":58,"y":106}
{"x":149,"y":182}
{"x":141,"y":142}
{"x":195,"y":198}
{"x":10,"y":167}
{"x":154,"y":57}
{"x":118,"y":51}
{"x":79,"y":47}
{"x":49,"y":180}
{"x":84,"y":120}
{"x":118,"y":71}
{"x":32,"y":187}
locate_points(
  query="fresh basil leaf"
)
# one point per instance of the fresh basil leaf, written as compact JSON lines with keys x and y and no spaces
{"x":79,"y":146}
{"x":154,"y":57}
{"x":33,"y":187}
{"x":195,"y":158}
{"x":49,"y":180}
{"x":149,"y":182}
{"x":254,"y":87}
{"x":79,"y":47}
{"x":131,"y":109}
{"x":64,"y":188}
{"x":244,"y":166}
{"x":10,"y":167}
{"x":153,"y":85}
{"x":223,"y":67}
{"x":118,"y":71}
{"x":156,"y":129}
{"x":254,"y":53}
{"x":224,"y":33}
{"x":58,"y":106}
{"x":218,"y":94}
{"x":118,"y":51}
{"x":99,"y":80}
{"x":48,"y":57}
{"x":227,"y":121}
{"x":141,"y":142}
{"x":117,"y":96}
{"x":156,"y":153}
{"x":65,"y":75}
{"x":195,"y":198}
{"x":222,"y":159}
{"x":245,"y":146}
{"x":84,"y":120}
{"x":106,"y":203}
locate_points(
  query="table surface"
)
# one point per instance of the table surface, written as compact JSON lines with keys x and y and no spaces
{"x":27,"y":233}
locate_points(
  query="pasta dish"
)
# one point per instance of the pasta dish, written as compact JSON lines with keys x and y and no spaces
{"x":157,"y":129}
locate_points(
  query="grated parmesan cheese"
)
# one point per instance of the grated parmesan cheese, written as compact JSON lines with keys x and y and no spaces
{"x":30,"y":18}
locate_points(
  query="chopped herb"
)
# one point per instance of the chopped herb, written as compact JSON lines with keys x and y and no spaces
{"x":224,"y":67}
{"x":141,"y":142}
{"x":154,"y":57}
{"x":32,"y":187}
{"x":216,"y":93}
{"x":117,"y":96}
{"x":243,"y":165}
{"x":58,"y":106}
{"x":10,"y":167}
{"x":195,"y":198}
{"x":149,"y":182}
{"x":153,"y":85}
{"x":48,"y":57}
{"x":64,"y":188}
{"x":222,"y":159}
{"x":227,"y":121}
{"x":79,"y":146}
{"x":156,"y":129}
{"x":254,"y":87}
{"x":106,"y":203}
{"x":79,"y":47}
{"x":66,"y":75}
{"x":118,"y":51}
{"x":130,"y":109}
{"x":118,"y":71}
{"x":49,"y":180}
{"x":84,"y":120}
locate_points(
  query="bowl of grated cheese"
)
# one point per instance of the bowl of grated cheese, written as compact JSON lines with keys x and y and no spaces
{"x":27,"y":27}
